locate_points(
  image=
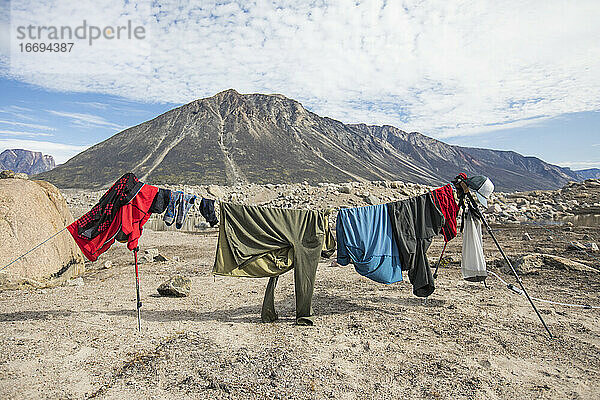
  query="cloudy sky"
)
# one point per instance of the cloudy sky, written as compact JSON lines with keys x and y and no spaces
{"x":520,"y":75}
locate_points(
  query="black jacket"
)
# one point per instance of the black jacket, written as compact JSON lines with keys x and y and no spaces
{"x":415,"y":222}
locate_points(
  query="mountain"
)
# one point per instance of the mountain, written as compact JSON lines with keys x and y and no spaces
{"x":232,"y":138}
{"x":591,"y":173}
{"x":29,"y":162}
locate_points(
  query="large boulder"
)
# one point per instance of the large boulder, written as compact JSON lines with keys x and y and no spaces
{"x":30,"y":212}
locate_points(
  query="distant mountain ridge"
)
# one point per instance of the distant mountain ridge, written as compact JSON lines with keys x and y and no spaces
{"x":26,"y":161}
{"x":590,"y":173}
{"x":233,"y":138}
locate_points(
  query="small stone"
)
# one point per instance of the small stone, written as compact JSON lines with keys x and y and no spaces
{"x":76,"y":282}
{"x":345,"y":189}
{"x":177,"y":286}
{"x":526,"y":237}
{"x":160,"y":258}
{"x":107,"y":265}
{"x":494,"y":209}
{"x":371,"y":199}
{"x":176,"y":258}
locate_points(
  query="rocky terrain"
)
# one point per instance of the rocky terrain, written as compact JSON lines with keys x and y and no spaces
{"x":370,"y":341}
{"x":25,"y":161}
{"x":232,"y":138}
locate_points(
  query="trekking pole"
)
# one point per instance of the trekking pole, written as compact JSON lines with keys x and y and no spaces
{"x":137,"y":289}
{"x":479,"y":214}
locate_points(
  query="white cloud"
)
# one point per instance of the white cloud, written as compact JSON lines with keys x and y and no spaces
{"x":60,"y":151}
{"x":27,"y":125}
{"x":23,"y":133}
{"x":580,"y":164}
{"x":439,"y":67}
{"x":86,"y":120}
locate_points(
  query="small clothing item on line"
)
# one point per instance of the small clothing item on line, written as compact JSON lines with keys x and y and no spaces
{"x":161,"y":201}
{"x":415,"y":222}
{"x":262,"y":242}
{"x":207,"y":209}
{"x":177,"y":208}
{"x":364,"y":238}
{"x":444,"y":200}
{"x":128,"y":221}
{"x":472,"y":265}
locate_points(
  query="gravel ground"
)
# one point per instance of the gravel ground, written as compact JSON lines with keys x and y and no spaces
{"x":370,"y":341}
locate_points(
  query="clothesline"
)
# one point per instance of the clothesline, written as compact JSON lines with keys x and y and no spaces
{"x":518,"y":291}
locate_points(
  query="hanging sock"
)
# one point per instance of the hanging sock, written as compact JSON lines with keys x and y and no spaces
{"x":186,"y":202}
{"x":171,"y":212}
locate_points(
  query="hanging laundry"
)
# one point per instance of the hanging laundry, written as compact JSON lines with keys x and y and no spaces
{"x":186,"y":202}
{"x":171,"y":213}
{"x":364,"y":238}
{"x":207,"y":209}
{"x":262,"y":242}
{"x":161,"y":201}
{"x":101,"y":216}
{"x":444,"y":200}
{"x":415,"y":222}
{"x":128,"y":219}
{"x":472,"y":265}
{"x":179,"y":204}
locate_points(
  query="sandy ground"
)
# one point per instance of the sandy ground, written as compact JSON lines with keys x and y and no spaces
{"x":370,"y":341}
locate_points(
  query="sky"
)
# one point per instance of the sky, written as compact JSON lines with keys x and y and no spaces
{"x":511,"y":75}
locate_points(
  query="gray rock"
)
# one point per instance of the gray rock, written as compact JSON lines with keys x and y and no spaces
{"x":526,"y":237}
{"x":345,"y":189}
{"x":176,"y":286}
{"x":371,"y":199}
{"x":107,"y":264}
{"x":149,"y":255}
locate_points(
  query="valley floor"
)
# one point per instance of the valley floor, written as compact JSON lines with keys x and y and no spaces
{"x":370,"y":341}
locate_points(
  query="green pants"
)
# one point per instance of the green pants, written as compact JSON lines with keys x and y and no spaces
{"x":261,"y":242}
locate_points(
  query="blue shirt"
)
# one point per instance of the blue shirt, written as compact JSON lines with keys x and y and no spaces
{"x":364,"y":238}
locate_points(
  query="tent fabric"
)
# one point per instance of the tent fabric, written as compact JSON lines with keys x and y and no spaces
{"x":444,"y":199}
{"x":365,"y":239}
{"x":129,"y":218}
{"x":267,"y":242}
{"x":415,"y":222}
{"x":472,"y":265}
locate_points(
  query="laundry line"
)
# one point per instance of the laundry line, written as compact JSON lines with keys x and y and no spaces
{"x":518,"y":291}
{"x":32,"y":249}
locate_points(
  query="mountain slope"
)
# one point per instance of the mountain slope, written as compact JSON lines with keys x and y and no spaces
{"x":26,"y":161}
{"x":590,"y":173}
{"x":232,"y":138}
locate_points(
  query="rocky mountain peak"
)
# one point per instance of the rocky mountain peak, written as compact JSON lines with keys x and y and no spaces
{"x":26,"y":161}
{"x":232,"y":138}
